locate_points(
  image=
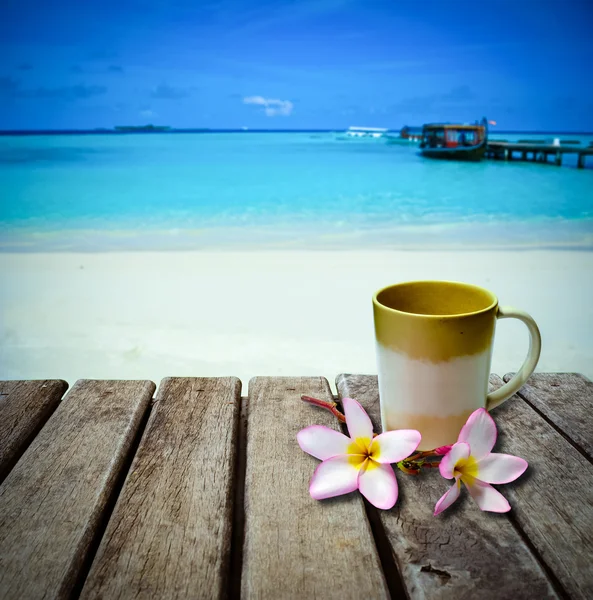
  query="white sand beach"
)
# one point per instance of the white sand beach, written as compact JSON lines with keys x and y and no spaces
{"x":155,"y":314}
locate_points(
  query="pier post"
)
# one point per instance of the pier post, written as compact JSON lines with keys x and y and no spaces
{"x":524,"y":155}
{"x":558,"y":158}
{"x":581,"y":161}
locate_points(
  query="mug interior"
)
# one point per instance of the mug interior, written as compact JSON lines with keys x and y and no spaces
{"x":436,"y":298}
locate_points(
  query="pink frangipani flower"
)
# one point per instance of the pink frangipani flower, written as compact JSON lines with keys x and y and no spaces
{"x":359,"y":462}
{"x":471,"y":461}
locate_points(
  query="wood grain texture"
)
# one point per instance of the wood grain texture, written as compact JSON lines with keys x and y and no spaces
{"x":297,"y":547}
{"x":566,"y":399}
{"x":170,"y":532}
{"x":52,"y":502}
{"x":553,"y":501}
{"x":462,"y":553}
{"x":25,"y":406}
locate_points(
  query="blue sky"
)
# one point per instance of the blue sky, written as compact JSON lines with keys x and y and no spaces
{"x":528,"y":64}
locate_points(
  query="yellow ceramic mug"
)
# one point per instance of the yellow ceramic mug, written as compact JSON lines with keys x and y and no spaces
{"x":434,"y":348}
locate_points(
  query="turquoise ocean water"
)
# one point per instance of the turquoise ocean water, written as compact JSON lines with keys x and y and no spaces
{"x":294,"y":190}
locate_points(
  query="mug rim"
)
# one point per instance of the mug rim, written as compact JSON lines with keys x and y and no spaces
{"x":492,"y":305}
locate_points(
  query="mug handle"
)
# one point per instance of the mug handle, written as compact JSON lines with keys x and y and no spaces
{"x":522,"y":375}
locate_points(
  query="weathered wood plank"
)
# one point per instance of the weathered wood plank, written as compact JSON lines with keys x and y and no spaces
{"x":296,"y":547}
{"x":169,"y":535}
{"x":566,"y":399}
{"x":53,"y":500}
{"x":25,"y":406}
{"x":463,"y":553}
{"x":553,"y":501}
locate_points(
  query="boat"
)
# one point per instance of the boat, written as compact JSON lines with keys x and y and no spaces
{"x":454,"y":141}
{"x":407,"y":136}
{"x":366,"y":132}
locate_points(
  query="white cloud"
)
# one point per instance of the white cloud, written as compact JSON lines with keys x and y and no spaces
{"x":148,"y":113}
{"x":255,"y":100}
{"x":272,"y":106}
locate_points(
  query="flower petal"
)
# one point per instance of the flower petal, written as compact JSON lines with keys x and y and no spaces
{"x":323,"y":442}
{"x":486,"y":497}
{"x":358,"y":422}
{"x":393,"y":446}
{"x":377,"y":483}
{"x":480,"y":433}
{"x":459,"y":451}
{"x":501,"y":468}
{"x":447,"y":498}
{"x":335,"y":476}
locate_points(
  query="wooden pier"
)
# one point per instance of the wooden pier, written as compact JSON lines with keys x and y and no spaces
{"x":201,"y":491}
{"x":537,"y":152}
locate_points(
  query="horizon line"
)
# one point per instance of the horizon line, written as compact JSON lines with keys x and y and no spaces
{"x":107,"y":131}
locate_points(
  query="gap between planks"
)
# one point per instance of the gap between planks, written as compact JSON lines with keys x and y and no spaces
{"x":391,"y":571}
{"x":529,"y":394}
{"x":556,"y":583}
{"x":25,"y":408}
{"x":233,"y":591}
{"x":555,"y":535}
{"x":557,"y":428}
{"x":110,"y":505}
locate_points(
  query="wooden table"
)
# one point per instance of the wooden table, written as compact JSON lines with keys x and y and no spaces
{"x":202,"y":493}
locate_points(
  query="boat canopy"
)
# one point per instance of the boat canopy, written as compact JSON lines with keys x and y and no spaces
{"x":452,"y":136}
{"x":452,"y":126}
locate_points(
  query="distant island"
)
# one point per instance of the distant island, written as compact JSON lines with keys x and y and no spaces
{"x":141,"y":128}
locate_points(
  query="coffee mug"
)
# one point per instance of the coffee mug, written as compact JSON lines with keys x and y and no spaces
{"x":434,"y":348}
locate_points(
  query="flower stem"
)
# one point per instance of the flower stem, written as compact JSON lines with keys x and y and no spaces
{"x":413,"y":464}
{"x":421,"y":454}
{"x":331,"y":406}
{"x":408,"y":468}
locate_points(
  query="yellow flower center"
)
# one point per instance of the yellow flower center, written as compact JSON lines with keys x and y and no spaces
{"x":362,"y":453}
{"x":466,"y":467}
